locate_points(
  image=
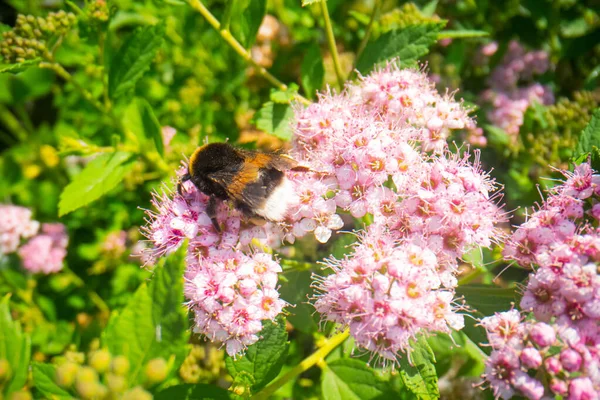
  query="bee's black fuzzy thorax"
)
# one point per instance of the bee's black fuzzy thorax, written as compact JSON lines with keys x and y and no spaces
{"x":211,"y":158}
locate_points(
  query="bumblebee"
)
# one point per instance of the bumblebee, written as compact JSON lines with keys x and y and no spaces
{"x":255,"y":181}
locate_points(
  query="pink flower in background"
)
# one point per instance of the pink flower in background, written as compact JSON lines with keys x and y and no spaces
{"x":509,"y":96}
{"x":46,"y":251}
{"x":15,"y":224}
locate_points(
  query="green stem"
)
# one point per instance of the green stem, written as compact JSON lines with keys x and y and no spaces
{"x":470,"y":277}
{"x":12,"y":123}
{"x":304,"y":365}
{"x":101,"y":46}
{"x":331,"y":42}
{"x":227,"y":15}
{"x":239,"y":49}
{"x":289,"y":264}
{"x":365,"y":39}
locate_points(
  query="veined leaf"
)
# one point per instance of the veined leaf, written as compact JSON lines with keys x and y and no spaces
{"x":264,"y":359}
{"x":141,"y":121}
{"x":101,"y":175}
{"x":487,"y":299}
{"x":284,"y":96}
{"x":246,"y":18}
{"x":352,"y":379}
{"x":43,"y":380}
{"x":420,"y":376}
{"x":408,"y":45}
{"x":153,"y":324}
{"x":133,"y":59}
{"x":275,"y":119}
{"x":19,"y":67}
{"x":590,"y":136}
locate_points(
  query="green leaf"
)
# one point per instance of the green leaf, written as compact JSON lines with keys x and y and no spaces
{"x":275,"y":119}
{"x":101,"y":175}
{"x":295,"y":291}
{"x":461,"y":34}
{"x":141,"y":121}
{"x":309,"y":2}
{"x":264,"y":359}
{"x":312,"y":71}
{"x":590,"y":136}
{"x":246,"y":18}
{"x":284,"y":96}
{"x":349,"y":379}
{"x":419,"y":374}
{"x":133,"y":59}
{"x":496,"y":135}
{"x":15,"y":347}
{"x":408,"y":45}
{"x":153,"y":324}
{"x":43,"y":380}
{"x":193,"y":392}
{"x":19,"y":67}
{"x":487,"y":299}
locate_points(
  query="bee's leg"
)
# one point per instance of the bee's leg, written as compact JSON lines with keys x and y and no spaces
{"x":211,"y":211}
{"x":184,"y":178}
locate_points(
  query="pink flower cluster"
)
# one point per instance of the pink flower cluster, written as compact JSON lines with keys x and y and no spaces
{"x":509,"y":97}
{"x":231,"y":287}
{"x":563,"y":294}
{"x":565,"y":286}
{"x":44,"y":252}
{"x":370,"y":144}
{"x":525,"y":351}
{"x":387,"y":292}
{"x":15,"y":224}
{"x":231,"y":293}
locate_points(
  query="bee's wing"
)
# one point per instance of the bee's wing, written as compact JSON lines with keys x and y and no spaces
{"x":282,"y":162}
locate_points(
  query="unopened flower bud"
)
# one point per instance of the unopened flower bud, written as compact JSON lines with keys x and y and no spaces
{"x":120,"y":365}
{"x":116,"y":383}
{"x":570,"y":359}
{"x":156,"y":370}
{"x":531,"y":358}
{"x":552,"y":365}
{"x":558,"y":386}
{"x":543,"y":334}
{"x":137,"y":393}
{"x":4,"y":370}
{"x":66,"y":373}
{"x":86,"y":382}
{"x":100,"y":360}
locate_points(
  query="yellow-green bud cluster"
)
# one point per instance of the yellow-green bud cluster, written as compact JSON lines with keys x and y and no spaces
{"x":204,"y":364}
{"x":553,"y":144}
{"x":28,"y":39}
{"x":98,"y":10}
{"x":404,"y":16}
{"x":101,"y":375}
